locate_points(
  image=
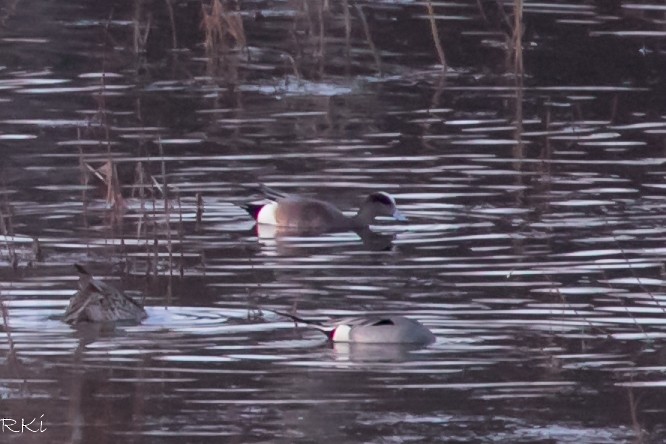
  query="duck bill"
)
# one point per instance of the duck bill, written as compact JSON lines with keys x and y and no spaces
{"x":397,"y":215}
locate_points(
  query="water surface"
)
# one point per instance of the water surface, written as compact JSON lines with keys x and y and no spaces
{"x":533,"y":249}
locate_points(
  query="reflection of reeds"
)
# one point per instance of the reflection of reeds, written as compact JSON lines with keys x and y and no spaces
{"x":8,"y":10}
{"x":172,"y":20}
{"x":200,"y":210}
{"x":513,"y":30}
{"x":12,"y":360}
{"x":7,"y":229}
{"x":37,"y":252}
{"x":633,"y":411}
{"x":322,"y":41}
{"x":167,"y":208}
{"x":141,"y":30}
{"x":435,"y":35}
{"x":564,"y":302}
{"x":348,"y":28}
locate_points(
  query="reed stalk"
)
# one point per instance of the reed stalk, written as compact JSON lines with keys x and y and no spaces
{"x":141,"y":31}
{"x":368,"y":37}
{"x":435,"y":34}
{"x":348,"y":27}
{"x":172,"y":21}
{"x":200,"y":210}
{"x":12,"y":359}
{"x":517,"y":37}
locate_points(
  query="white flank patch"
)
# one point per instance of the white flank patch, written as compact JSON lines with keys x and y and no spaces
{"x":341,"y":333}
{"x":267,"y":214}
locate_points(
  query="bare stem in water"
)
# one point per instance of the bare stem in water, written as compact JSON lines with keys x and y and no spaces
{"x":366,"y":30}
{"x":200,"y":210}
{"x":167,"y":209}
{"x":141,"y":30}
{"x":435,"y":35}
{"x":347,"y":15}
{"x":517,"y":38}
{"x":172,"y":20}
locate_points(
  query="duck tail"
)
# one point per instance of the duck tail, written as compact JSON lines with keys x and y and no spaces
{"x":314,"y":324}
{"x":296,"y":318}
{"x":270,"y":192}
{"x":252,"y":209}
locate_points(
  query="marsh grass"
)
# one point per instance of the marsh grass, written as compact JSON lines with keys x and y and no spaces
{"x":223,"y":28}
{"x":224,"y":35}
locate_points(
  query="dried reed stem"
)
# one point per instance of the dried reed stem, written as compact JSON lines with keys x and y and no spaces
{"x":12,"y":358}
{"x":172,"y":20}
{"x":435,"y":35}
{"x":368,"y":37}
{"x":7,"y":228}
{"x":167,"y":207}
{"x":517,"y":37}
{"x":322,"y":40}
{"x":222,"y":28}
{"x":141,"y":32}
{"x":347,"y":19}
{"x":200,"y":210}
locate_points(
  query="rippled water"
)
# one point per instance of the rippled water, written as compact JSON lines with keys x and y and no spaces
{"x":533,"y":249}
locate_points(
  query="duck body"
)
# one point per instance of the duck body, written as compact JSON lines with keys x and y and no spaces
{"x":309,"y":214}
{"x":96,"y":301}
{"x":372,"y":330}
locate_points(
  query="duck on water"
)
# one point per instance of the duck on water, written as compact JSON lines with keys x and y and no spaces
{"x":96,"y":301}
{"x":371,"y":329}
{"x":310,"y":214}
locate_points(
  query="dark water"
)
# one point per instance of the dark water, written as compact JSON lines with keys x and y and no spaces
{"x":535,"y":247}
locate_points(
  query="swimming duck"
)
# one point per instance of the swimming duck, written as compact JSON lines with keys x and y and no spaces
{"x":371,"y":330}
{"x":99,"y":302}
{"x":308,"y":214}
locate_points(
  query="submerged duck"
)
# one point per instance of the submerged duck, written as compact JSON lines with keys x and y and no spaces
{"x":99,"y":302}
{"x":308,"y":214}
{"x":371,"y":330}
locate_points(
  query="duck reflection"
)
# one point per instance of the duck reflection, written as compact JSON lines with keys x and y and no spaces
{"x":290,"y":241}
{"x":374,"y":353}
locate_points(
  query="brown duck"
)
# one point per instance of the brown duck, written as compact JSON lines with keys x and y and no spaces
{"x":99,"y":302}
